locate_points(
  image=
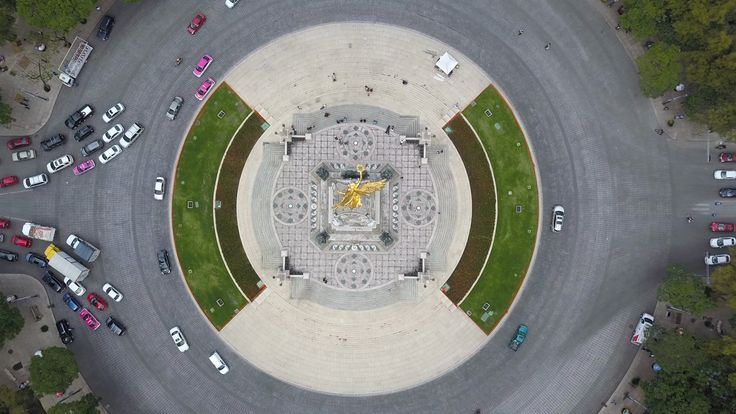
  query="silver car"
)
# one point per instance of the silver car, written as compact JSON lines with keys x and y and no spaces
{"x":558,"y":218}
{"x":24,"y":155}
{"x":174,"y":107}
{"x":717,"y":259}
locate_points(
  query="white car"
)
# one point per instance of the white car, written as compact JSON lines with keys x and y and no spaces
{"x":24,"y":155}
{"x":724,"y":174}
{"x":719,"y":242}
{"x":717,"y":259}
{"x":113,"y":133}
{"x":113,"y":293}
{"x":113,"y":112}
{"x":109,"y":154}
{"x":36,"y":181}
{"x":640,"y":332}
{"x":558,"y":218}
{"x":231,"y":3}
{"x":217,"y":361}
{"x":60,"y":163}
{"x":131,"y":135}
{"x":179,"y":339}
{"x":159,"y":188}
{"x":75,"y":287}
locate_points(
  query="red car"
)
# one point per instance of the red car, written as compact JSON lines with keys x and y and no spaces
{"x":89,"y":319}
{"x":21,"y":241}
{"x":197,"y":23}
{"x":9,"y":180}
{"x":726,"y":157}
{"x":4,"y":223}
{"x":19,"y":143}
{"x":721,"y":227}
{"x":97,"y":301}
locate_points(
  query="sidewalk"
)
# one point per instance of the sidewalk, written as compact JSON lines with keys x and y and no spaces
{"x":23,"y":60}
{"x":39,"y":332}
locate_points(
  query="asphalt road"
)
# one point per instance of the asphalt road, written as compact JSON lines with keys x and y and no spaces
{"x":592,"y":134}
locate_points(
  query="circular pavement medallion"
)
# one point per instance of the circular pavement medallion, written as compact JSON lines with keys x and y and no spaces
{"x":289,"y":206}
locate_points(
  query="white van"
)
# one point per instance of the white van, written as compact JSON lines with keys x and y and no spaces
{"x":217,"y":361}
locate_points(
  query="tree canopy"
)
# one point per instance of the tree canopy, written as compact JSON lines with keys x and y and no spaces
{"x":11,"y":321}
{"x":724,"y":283}
{"x":53,"y":372}
{"x":57,"y":15}
{"x":684,"y":290}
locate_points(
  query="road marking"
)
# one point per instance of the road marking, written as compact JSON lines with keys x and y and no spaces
{"x":15,"y":192}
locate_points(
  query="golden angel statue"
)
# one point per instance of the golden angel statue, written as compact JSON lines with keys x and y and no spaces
{"x":352,"y":196}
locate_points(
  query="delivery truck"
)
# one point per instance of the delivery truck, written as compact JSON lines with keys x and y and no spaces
{"x":65,"y":264}
{"x":39,"y":232}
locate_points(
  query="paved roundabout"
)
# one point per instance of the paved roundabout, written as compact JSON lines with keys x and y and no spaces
{"x":581,"y":110}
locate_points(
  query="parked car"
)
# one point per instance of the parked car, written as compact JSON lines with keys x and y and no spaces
{"x":83,"y":167}
{"x":724,"y":174}
{"x":8,"y":181}
{"x":4,"y":223}
{"x":105,"y":27}
{"x":131,"y":135}
{"x":75,"y":287}
{"x":78,"y":117}
{"x":8,"y":256}
{"x":726,"y":157}
{"x":174,"y":108}
{"x":159,"y":188}
{"x":21,"y":241}
{"x":231,"y":3}
{"x":519,"y":337}
{"x":53,"y":142}
{"x":20,"y":142}
{"x":54,"y":283}
{"x":113,"y":133}
{"x":109,"y":154}
{"x":202,"y":65}
{"x":35,"y":181}
{"x":71,"y":302}
{"x":719,"y":242}
{"x":89,"y":319}
{"x":113,"y":112}
{"x":727,"y":192}
{"x":196,"y":24}
{"x":60,"y":163}
{"x":113,"y":293}
{"x":37,"y":259}
{"x":717,"y":227}
{"x":204,"y":88}
{"x":92,"y":147}
{"x":83,"y":133}
{"x":97,"y":301}
{"x":717,"y":259}
{"x":179,"y":339}
{"x":115,"y":326}
{"x":163,"y":262}
{"x":640,"y":332}
{"x":24,"y":155}
{"x":219,"y":363}
{"x":65,"y":331}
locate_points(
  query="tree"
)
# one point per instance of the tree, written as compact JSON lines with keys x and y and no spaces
{"x":54,"y":371}
{"x":19,"y":401}
{"x":57,"y":15}
{"x":676,"y":393}
{"x":11,"y":321}
{"x":724,"y":283}
{"x":659,"y":69}
{"x":641,"y":17}
{"x":7,"y":24}
{"x":684,"y":290}
{"x":85,"y":405}
{"x":675,"y":352}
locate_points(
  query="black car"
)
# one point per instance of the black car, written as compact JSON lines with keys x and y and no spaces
{"x":163,"y":262}
{"x":92,"y":147}
{"x":78,"y":117}
{"x":53,"y":142}
{"x":37,"y":259}
{"x":65,"y":331}
{"x":115,"y":326}
{"x":8,"y":255}
{"x":727,"y":192}
{"x":53,"y":281}
{"x":105,"y":27}
{"x":83,"y":132}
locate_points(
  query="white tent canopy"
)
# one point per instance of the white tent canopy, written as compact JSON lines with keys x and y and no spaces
{"x":446,"y":63}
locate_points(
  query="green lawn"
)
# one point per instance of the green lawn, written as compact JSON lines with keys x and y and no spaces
{"x":516,"y":186}
{"x":227,"y":220}
{"x":194,"y":230}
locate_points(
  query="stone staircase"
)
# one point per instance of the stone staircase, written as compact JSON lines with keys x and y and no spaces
{"x":403,"y":125}
{"x":261,"y":199}
{"x":354,"y":300}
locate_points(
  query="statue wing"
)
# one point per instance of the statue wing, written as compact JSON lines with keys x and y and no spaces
{"x":371,"y":187}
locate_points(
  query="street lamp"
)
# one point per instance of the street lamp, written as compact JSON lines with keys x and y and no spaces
{"x":15,"y":298}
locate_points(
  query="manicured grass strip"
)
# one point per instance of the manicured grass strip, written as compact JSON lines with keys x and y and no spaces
{"x":483,"y":209}
{"x":227,"y":219}
{"x":516,"y":233}
{"x":194,"y":229}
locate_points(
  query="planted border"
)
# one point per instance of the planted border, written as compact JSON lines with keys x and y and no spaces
{"x":194,"y":229}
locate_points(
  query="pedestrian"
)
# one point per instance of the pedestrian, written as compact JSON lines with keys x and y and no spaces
{"x":721,"y":146}
{"x":547,"y":46}
{"x":659,"y":131}
{"x":334,"y":77}
{"x":521,"y":32}
{"x":718,"y":203}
